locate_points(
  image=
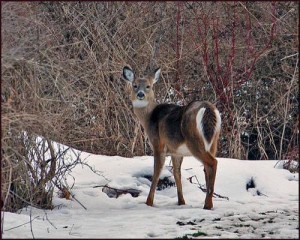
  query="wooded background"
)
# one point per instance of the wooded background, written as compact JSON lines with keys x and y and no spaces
{"x":61,"y":77}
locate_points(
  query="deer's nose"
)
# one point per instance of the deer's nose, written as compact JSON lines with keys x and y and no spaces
{"x":141,"y":95}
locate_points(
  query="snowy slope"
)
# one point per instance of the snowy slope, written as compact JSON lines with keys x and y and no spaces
{"x":272,"y":213}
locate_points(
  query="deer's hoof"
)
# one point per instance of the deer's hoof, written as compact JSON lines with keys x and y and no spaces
{"x":149,"y":203}
{"x":208,"y":207}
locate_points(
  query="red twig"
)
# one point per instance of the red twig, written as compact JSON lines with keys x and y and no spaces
{"x":249,"y":32}
{"x":178,"y":40}
{"x":203,"y":39}
{"x":216,"y":38}
{"x":219,"y":76}
{"x":268,"y":45}
{"x":232,"y":54}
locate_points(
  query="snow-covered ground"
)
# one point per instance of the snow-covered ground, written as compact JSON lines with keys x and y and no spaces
{"x":268,"y":210}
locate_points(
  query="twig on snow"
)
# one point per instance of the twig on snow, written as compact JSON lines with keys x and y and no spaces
{"x":201,"y":186}
{"x":73,"y":196}
{"x":31,"y":223}
{"x":49,"y":220}
{"x":21,"y":224}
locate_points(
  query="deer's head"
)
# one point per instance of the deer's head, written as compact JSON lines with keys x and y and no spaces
{"x":141,"y":87}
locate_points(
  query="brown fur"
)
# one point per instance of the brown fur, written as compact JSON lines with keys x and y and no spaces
{"x":171,"y":128}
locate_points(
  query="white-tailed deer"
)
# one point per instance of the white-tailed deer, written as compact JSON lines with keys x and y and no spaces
{"x":191,"y":130}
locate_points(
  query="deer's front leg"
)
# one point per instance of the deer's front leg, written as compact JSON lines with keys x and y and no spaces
{"x":159,"y":160}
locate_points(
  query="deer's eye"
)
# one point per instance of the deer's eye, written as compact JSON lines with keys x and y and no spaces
{"x":135,"y":86}
{"x":148,"y":87}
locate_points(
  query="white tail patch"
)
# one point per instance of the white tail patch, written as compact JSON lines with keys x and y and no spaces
{"x":199,"y":118}
{"x":218,"y":123}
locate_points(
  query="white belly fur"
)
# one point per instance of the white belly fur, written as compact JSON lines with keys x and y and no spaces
{"x":183,"y":150}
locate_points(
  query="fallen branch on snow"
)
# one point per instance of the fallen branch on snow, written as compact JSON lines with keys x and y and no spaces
{"x":201,"y":186}
{"x":114,"y":192}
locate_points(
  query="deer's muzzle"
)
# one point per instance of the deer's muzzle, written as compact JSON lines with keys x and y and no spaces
{"x":140,"y":95}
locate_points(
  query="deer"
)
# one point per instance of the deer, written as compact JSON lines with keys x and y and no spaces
{"x":176,"y":131}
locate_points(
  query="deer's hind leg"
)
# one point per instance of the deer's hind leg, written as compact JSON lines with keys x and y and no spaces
{"x":210,"y":168}
{"x":214,"y":146}
{"x":210,"y":171}
{"x":177,"y":161}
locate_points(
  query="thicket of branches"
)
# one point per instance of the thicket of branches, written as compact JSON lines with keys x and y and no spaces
{"x":62,"y":62}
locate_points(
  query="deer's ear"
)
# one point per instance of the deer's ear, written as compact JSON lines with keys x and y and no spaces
{"x":156,"y":75}
{"x":128,"y":74}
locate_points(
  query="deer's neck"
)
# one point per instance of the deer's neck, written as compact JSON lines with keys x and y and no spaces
{"x":144,"y":113}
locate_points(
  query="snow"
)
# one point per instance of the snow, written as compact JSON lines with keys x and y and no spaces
{"x":273,"y":213}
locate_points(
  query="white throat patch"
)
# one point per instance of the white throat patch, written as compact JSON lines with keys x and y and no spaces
{"x":139,"y":103}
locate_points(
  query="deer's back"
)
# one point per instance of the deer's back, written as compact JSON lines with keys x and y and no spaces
{"x":170,"y":124}
{"x":165,"y":121}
